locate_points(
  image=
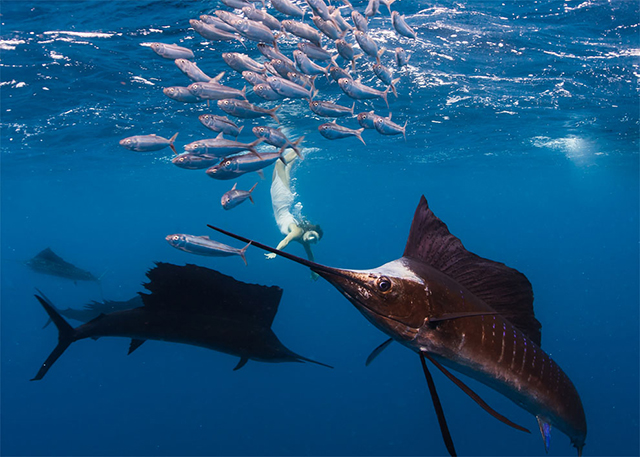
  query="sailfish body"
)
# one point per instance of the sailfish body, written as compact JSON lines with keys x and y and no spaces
{"x":465,"y":312}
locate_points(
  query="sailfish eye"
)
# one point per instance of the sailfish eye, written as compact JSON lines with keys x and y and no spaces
{"x":384,"y":284}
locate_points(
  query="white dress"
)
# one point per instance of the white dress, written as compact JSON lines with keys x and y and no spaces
{"x":282,"y":201}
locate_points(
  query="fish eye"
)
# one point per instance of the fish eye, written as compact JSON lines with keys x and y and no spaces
{"x":176,"y":238}
{"x":384,"y":284}
{"x":261,"y":129}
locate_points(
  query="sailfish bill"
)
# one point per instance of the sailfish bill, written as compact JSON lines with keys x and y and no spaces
{"x":462,"y":312}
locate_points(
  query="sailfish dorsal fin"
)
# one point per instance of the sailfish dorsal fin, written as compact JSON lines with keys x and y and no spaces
{"x":505,"y":289}
{"x":199,"y":290}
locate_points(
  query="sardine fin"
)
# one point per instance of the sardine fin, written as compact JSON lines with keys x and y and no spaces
{"x":504,"y":289}
{"x":359,"y":135}
{"x":234,"y":186}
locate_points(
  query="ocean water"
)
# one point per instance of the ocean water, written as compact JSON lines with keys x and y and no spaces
{"x":522,"y":133}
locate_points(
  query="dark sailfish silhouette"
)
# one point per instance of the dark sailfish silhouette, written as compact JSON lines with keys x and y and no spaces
{"x":191,"y":305}
{"x":48,"y":262}
{"x":95,"y":308}
{"x":464,"y":312}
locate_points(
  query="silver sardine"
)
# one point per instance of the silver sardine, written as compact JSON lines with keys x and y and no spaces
{"x":220,"y":124}
{"x":264,"y":90}
{"x":329,"y":109}
{"x":328,"y":28}
{"x":303,"y":30}
{"x":191,"y":161}
{"x":367,"y":119}
{"x":271,"y":53}
{"x":288,"y":8}
{"x":401,"y":57}
{"x":212,"y":33}
{"x":282,"y":67}
{"x":194,"y":73}
{"x":240,"y":108}
{"x":384,"y":126}
{"x":276,"y":138}
{"x":320,"y":8}
{"x":384,"y":74}
{"x":338,"y":73}
{"x":203,"y":245}
{"x":401,"y":26}
{"x":234,"y":197}
{"x":232,"y":167}
{"x":215,"y":91}
{"x":360,"y":21}
{"x":288,"y":89}
{"x":181,"y":94}
{"x":368,"y":45}
{"x":145,"y":143}
{"x":306,"y":66}
{"x":358,"y":91}
{"x":333,"y":131}
{"x":347,"y":53}
{"x":171,"y":51}
{"x":242,"y":62}
{"x":218,"y":23}
{"x":262,"y":16}
{"x":229,"y":18}
{"x":254,"y":78}
{"x":340,"y":21}
{"x":314,"y":51}
{"x":221,"y":147}
{"x":255,"y":31}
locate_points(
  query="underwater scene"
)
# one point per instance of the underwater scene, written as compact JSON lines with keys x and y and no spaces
{"x":307,"y":227}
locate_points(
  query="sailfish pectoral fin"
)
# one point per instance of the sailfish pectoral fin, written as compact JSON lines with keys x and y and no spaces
{"x":376,"y":352}
{"x":473,"y":395}
{"x":444,"y":429}
{"x":242,"y":362}
{"x":545,"y":431}
{"x":135,"y":344}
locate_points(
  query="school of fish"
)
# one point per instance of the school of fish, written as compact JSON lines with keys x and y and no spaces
{"x":328,"y":46}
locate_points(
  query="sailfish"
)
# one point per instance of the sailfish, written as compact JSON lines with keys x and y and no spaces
{"x":190,"y":305}
{"x":462,"y":312}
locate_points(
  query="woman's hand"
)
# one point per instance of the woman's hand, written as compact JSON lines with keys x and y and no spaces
{"x":270,"y":255}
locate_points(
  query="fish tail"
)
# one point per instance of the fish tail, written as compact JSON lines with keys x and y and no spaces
{"x":171,"y":141}
{"x":272,"y":113}
{"x":66,"y":335}
{"x":243,"y":250}
{"x":251,"y":190}
{"x":404,"y":130}
{"x":384,"y":96}
{"x":295,"y":147}
{"x":359,"y":135}
{"x":380,"y":52}
{"x":244,"y":92}
{"x":333,"y":61}
{"x":388,"y":3}
{"x":353,"y":107}
{"x":393,"y":86}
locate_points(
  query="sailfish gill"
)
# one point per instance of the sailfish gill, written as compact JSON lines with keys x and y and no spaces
{"x":463,"y":312}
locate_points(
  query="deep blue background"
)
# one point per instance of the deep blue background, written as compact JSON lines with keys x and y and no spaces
{"x":522,"y":134}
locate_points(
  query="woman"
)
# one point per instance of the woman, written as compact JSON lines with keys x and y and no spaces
{"x":300,"y":230}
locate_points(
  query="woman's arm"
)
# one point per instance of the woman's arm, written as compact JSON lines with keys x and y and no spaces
{"x":307,"y":248}
{"x":294,"y":232}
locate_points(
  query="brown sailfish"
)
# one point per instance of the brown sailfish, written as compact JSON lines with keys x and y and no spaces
{"x":461,"y":312}
{"x":191,"y":305}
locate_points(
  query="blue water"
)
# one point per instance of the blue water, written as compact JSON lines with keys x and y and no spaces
{"x":522,"y":133}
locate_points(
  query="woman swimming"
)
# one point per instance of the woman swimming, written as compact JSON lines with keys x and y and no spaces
{"x":300,"y":230}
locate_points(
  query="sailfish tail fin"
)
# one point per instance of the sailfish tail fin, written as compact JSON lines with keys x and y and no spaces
{"x":66,"y":335}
